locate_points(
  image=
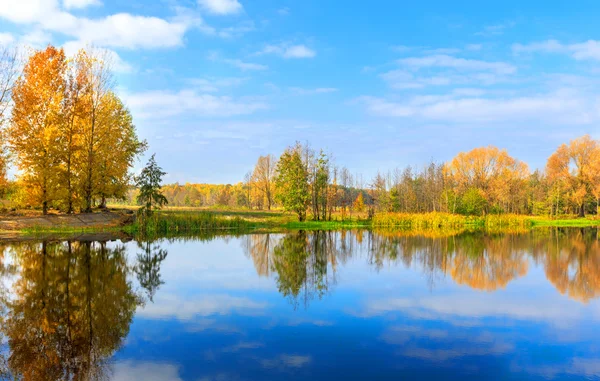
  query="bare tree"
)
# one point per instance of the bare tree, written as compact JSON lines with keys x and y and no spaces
{"x":263,"y":176}
{"x":9,"y":71}
{"x":248,"y":186}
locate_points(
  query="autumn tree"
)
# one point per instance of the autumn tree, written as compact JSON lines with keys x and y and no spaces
{"x":94,"y":73}
{"x":498,"y":176}
{"x":120,"y":146}
{"x":73,"y":139}
{"x":359,"y":203}
{"x":263,"y":176}
{"x":69,"y":142}
{"x":36,"y":116}
{"x":319,"y":187}
{"x":574,"y":170}
{"x":291,"y":182}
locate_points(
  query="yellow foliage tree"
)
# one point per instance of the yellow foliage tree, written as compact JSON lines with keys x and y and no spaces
{"x":359,"y":203}
{"x":117,"y":149}
{"x":492,"y":171}
{"x":95,"y":76}
{"x":577,"y":166}
{"x":33,"y":133}
{"x":73,"y":138}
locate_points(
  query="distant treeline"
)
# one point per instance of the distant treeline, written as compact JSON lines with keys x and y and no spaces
{"x":485,"y":180}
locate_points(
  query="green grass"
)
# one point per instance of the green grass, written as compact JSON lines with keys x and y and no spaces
{"x":178,"y":221}
{"x":181,"y":222}
{"x":570,"y":222}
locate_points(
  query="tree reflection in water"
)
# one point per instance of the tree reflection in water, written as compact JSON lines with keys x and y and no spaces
{"x":69,"y":305}
{"x":70,"y":308}
{"x":148,"y":267}
{"x":304,"y":264}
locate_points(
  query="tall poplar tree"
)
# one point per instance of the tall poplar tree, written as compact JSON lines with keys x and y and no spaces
{"x":33,"y":133}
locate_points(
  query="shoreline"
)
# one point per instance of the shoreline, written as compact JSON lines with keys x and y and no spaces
{"x":202,"y":221}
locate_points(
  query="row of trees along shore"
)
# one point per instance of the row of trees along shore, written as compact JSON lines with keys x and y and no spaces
{"x":69,"y":135}
{"x":485,"y":180}
{"x":73,"y":142}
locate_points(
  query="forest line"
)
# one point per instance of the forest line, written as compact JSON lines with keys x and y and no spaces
{"x":74,"y":143}
{"x":485,"y":180}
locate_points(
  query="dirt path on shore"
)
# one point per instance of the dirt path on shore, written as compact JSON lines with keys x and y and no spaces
{"x":73,"y":221}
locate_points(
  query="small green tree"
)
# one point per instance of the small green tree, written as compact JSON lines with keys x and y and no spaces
{"x":473,"y":202}
{"x":320,"y":186}
{"x":291,"y":182}
{"x":149,"y":183}
{"x":394,"y":200}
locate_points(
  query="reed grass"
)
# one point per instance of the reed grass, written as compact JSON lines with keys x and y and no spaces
{"x":445,"y":220}
{"x":185,"y":222}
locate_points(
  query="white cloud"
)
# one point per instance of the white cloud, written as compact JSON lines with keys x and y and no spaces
{"x":446,"y":61}
{"x":213,"y":85}
{"x":128,"y":31}
{"x":495,"y":30}
{"x":36,"y":39}
{"x":569,"y":107}
{"x":286,"y":361}
{"x":164,"y":104}
{"x":174,"y":306}
{"x":122,"y":30}
{"x":236,"y":31}
{"x":318,"y":90}
{"x":474,"y":47}
{"x":588,"y":50}
{"x":221,"y":7}
{"x":113,"y":59}
{"x":27,"y":11}
{"x":298,"y":51}
{"x":289,"y":51}
{"x":80,"y":4}
{"x":479,"y":306}
{"x":245,"y":66}
{"x":6,"y":39}
{"x":136,"y":370}
{"x":404,"y":79}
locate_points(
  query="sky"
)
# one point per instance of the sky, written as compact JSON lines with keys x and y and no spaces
{"x":213,"y":84}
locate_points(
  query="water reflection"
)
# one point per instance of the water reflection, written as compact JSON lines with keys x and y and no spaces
{"x":70,"y":308}
{"x":304,"y":263}
{"x":66,"y":307}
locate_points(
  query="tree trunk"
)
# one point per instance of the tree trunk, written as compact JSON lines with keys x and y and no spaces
{"x":582,"y":210}
{"x":102,"y":203}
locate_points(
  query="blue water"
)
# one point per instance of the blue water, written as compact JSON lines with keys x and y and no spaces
{"x":311,"y":306}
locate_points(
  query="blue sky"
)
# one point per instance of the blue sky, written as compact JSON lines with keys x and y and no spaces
{"x":213,"y":84}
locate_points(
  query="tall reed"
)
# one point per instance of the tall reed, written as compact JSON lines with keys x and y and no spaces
{"x":447,"y":220}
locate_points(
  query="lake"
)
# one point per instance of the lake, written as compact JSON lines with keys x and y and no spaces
{"x":304,"y":305}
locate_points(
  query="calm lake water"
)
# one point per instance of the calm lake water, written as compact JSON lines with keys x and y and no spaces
{"x":305,"y":305}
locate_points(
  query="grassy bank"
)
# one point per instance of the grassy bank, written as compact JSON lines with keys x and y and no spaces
{"x":187,"y":221}
{"x":184,"y":221}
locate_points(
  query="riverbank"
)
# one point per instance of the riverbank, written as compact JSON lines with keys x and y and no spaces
{"x":182,"y":221}
{"x":81,"y":222}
